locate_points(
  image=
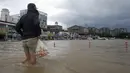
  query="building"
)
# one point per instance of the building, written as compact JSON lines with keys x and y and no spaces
{"x":52,"y":32}
{"x":42,"y":17}
{"x":105,"y":30}
{"x":85,"y":30}
{"x":6,"y":25}
{"x":15,"y":18}
{"x":117,"y":31}
{"x":8,"y":22}
{"x":97,"y":31}
{"x":93,"y":30}
{"x":54,"y":28}
{"x":7,"y":30}
{"x":5,"y":16}
{"x":22,"y":12}
{"x":123,"y":30}
{"x":78,"y":29}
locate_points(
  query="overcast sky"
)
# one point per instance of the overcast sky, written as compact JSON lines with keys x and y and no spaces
{"x":99,"y":13}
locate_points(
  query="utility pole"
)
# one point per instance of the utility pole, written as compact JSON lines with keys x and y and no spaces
{"x":6,"y":35}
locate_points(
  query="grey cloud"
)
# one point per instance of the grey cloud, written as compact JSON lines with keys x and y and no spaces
{"x":14,"y":6}
{"x":99,"y":13}
{"x":3,"y":0}
{"x":96,"y":12}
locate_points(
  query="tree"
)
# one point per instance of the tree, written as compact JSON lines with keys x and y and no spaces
{"x":123,"y":35}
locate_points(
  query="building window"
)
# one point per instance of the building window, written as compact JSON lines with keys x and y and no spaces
{"x":12,"y":19}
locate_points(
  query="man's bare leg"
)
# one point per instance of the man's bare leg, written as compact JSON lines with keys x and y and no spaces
{"x":26,"y":51}
{"x":27,"y":54}
{"x":33,"y":58}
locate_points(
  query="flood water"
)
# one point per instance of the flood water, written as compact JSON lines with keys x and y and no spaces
{"x":75,"y":56}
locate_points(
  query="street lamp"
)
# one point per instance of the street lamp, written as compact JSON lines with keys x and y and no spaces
{"x":6,"y":35}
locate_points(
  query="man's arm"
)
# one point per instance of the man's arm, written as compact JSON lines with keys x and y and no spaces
{"x":18,"y":27}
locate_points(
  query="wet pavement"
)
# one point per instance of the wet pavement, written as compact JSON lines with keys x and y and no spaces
{"x":75,"y":56}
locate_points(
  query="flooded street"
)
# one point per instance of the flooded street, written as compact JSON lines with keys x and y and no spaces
{"x":75,"y":56}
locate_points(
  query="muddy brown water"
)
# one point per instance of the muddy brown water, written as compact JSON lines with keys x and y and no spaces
{"x":75,"y":56}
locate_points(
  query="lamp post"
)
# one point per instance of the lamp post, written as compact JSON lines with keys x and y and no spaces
{"x":6,"y":35}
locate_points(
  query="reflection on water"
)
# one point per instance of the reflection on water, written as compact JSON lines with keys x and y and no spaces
{"x":104,"y":56}
{"x":33,"y":70}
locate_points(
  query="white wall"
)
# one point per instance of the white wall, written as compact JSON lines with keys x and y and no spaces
{"x":15,"y":18}
{"x":5,"y":15}
{"x":22,"y":12}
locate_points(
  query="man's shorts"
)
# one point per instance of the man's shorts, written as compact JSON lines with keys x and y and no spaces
{"x":30,"y":45}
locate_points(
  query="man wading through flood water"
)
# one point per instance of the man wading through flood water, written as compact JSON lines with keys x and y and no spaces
{"x":28,"y":27}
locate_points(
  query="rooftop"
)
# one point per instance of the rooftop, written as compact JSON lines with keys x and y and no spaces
{"x":7,"y":22}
